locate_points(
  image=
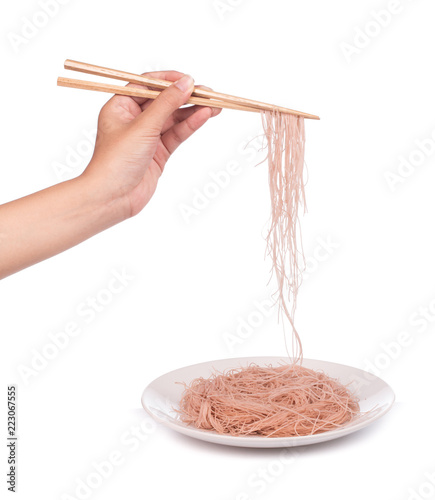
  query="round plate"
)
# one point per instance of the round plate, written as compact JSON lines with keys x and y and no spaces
{"x":163,"y":395}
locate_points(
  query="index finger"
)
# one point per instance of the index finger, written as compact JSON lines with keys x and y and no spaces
{"x":169,"y":75}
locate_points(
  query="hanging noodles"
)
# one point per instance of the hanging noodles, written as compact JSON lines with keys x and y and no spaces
{"x":285,"y":136}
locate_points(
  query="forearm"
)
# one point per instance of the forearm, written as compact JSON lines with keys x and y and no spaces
{"x":46,"y":223}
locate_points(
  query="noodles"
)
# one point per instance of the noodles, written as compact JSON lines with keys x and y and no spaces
{"x":287,"y":400}
{"x":285,"y":136}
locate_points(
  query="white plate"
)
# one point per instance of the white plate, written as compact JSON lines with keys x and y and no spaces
{"x":163,"y":395}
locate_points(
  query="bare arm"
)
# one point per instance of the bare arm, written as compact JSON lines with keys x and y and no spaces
{"x":46,"y":223}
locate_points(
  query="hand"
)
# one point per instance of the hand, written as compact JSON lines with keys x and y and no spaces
{"x":136,"y":136}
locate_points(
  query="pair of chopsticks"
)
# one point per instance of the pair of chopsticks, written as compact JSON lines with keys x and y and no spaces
{"x":199,"y":96}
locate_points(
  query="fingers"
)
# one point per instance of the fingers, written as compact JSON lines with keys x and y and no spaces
{"x":185,"y":122}
{"x":129,"y":107}
{"x":171,"y":76}
{"x":169,"y":100}
{"x":214,"y":111}
{"x":184,"y":113}
{"x":183,"y":130}
{"x":125,"y":102}
{"x":162,"y":115}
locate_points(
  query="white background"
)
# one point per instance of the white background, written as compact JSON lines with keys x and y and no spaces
{"x":195,"y":280}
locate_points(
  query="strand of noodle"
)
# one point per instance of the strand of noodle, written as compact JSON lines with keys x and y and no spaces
{"x":285,"y":135}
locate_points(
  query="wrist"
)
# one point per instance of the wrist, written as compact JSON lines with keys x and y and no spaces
{"x":104,"y":194}
{"x":109,"y":204}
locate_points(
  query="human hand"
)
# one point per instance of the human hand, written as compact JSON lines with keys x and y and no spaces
{"x":136,"y":136}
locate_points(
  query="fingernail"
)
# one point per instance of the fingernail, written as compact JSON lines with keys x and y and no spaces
{"x":185,"y":83}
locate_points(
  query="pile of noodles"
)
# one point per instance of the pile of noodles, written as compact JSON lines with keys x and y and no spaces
{"x":288,"y":400}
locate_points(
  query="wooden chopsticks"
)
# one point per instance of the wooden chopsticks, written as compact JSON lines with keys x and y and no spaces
{"x":135,"y":92}
{"x":200,"y":96}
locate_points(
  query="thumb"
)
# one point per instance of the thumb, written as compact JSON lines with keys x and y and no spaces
{"x":167,"y":102}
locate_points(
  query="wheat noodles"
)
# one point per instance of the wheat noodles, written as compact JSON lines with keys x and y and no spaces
{"x":287,"y":400}
{"x":285,"y":136}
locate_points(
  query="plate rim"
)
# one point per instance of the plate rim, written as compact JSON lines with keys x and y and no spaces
{"x":261,"y":441}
